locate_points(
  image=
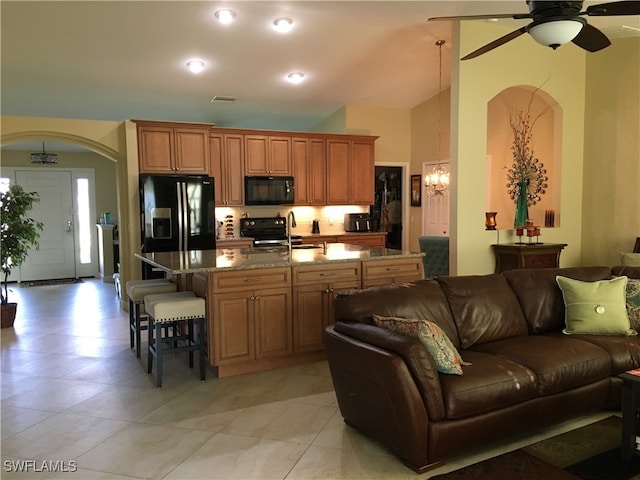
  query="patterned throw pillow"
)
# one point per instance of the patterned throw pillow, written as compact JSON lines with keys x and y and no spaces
{"x":633,"y":303}
{"x":445,"y":355}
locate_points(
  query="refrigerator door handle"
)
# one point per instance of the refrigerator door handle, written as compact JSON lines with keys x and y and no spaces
{"x":180,"y":215}
{"x":185,"y":214}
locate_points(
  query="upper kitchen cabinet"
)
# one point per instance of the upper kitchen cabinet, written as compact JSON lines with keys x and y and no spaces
{"x":226,"y":152}
{"x":173,"y":148}
{"x":309,"y":170}
{"x":267,"y":155}
{"x":350,"y":170}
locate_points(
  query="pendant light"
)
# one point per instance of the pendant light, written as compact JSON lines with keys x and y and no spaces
{"x":44,"y":158}
{"x":437,"y":182}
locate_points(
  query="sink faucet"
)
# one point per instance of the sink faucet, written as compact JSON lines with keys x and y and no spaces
{"x":291,"y":223}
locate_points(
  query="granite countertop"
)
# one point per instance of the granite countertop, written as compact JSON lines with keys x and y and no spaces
{"x":221,"y":259}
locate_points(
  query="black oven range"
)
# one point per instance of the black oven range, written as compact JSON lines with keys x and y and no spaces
{"x":267,"y":231}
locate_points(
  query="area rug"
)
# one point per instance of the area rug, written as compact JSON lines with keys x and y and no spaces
{"x":588,"y":453}
{"x":59,"y":281}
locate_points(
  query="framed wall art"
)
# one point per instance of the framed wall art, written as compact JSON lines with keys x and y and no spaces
{"x":416,"y":190}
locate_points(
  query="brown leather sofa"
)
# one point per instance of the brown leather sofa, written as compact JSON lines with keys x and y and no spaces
{"x":525,"y":372}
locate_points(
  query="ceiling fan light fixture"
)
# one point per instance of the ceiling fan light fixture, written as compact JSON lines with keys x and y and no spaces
{"x":44,"y":158}
{"x":553,"y":33}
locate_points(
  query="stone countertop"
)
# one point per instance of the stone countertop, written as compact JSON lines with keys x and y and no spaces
{"x":222,"y":259}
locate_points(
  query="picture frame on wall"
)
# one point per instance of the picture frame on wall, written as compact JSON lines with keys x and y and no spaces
{"x":416,"y":190}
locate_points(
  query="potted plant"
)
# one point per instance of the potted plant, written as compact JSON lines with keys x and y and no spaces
{"x":19,"y":234}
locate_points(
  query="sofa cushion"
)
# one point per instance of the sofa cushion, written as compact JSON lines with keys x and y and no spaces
{"x":490,"y":383}
{"x":484,"y":308}
{"x":623,"y":350}
{"x":422,"y":299}
{"x":559,"y":362}
{"x":595,"y":307}
{"x":540,"y":297}
{"x":444,"y":354}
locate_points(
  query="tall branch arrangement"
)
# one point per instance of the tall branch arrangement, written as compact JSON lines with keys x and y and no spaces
{"x":526,"y":172}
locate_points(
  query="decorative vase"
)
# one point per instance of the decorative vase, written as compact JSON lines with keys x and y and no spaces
{"x":8,"y":314}
{"x":522,"y":209}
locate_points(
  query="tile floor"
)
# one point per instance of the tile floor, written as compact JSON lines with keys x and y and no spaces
{"x":74,"y":397}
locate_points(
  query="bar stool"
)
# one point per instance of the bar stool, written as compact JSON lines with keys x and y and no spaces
{"x":136,"y":291}
{"x":168,"y":314}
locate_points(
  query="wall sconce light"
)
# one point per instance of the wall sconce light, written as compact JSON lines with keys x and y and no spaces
{"x":490,"y":220}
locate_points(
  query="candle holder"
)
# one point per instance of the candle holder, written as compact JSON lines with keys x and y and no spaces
{"x":490,"y":220}
{"x":519,"y":232}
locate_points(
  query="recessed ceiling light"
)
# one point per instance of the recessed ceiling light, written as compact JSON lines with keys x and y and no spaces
{"x":225,"y":16}
{"x":295,"y":77}
{"x":195,"y":66}
{"x":283,"y":25}
{"x":223,"y":99}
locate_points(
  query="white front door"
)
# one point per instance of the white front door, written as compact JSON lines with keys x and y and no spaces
{"x":435,"y":222}
{"x":54,"y":257}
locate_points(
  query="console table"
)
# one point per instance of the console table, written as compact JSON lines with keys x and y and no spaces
{"x":630,"y":414}
{"x":510,"y":256}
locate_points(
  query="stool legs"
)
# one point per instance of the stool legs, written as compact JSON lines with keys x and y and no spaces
{"x":159,"y":344}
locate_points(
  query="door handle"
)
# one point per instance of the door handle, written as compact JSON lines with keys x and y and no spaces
{"x":69,"y":230}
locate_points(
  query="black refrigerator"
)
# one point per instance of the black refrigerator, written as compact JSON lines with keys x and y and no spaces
{"x":177,"y":214}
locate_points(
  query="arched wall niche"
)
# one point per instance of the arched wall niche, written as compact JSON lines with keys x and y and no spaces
{"x":546,"y":140}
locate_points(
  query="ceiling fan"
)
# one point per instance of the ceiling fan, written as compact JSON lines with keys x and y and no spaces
{"x":556,"y":23}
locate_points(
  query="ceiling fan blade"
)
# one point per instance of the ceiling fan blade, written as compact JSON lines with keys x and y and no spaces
{"x":496,"y":43}
{"x":472,"y":17}
{"x":614,"y":8}
{"x":591,"y":39}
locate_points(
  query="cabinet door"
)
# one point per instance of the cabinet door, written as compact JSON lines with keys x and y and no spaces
{"x":309,"y":171}
{"x":233,"y":328}
{"x":279,"y":159}
{"x":273,"y":324}
{"x":310,"y":309}
{"x":192,"y":150}
{"x":155,"y":149}
{"x":233,"y":170}
{"x":317,"y":184}
{"x":216,"y":161}
{"x":334,"y":290}
{"x":301,"y":174}
{"x":362,"y":173}
{"x":256,"y":154}
{"x":338,"y":172}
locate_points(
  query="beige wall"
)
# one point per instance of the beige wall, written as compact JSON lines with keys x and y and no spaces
{"x":474,"y":83}
{"x":105,"y":173}
{"x":611,"y":196}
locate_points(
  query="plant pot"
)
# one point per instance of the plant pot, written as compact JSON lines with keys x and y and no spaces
{"x":8,"y":312}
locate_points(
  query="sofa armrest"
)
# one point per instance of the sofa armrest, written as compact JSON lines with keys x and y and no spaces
{"x":415,"y":355}
{"x":377,"y":395}
{"x":631,"y":272}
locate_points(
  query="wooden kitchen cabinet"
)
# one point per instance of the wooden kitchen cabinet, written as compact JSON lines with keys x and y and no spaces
{"x":315,"y":287}
{"x":252,"y":315}
{"x":173,"y":148}
{"x":267,"y":155}
{"x":226,"y":152}
{"x":384,"y":272}
{"x":350,"y":171}
{"x":309,"y":170}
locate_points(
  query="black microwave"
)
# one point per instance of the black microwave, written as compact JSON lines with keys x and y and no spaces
{"x":268,"y":191}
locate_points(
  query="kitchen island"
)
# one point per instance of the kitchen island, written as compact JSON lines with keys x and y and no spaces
{"x":268,"y":308}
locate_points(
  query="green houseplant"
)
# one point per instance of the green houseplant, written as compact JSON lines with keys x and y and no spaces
{"x":19,"y":234}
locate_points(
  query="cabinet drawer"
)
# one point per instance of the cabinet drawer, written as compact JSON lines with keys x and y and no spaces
{"x":542,"y":260}
{"x":238,"y":280}
{"x":405,"y":268}
{"x":338,"y":272}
